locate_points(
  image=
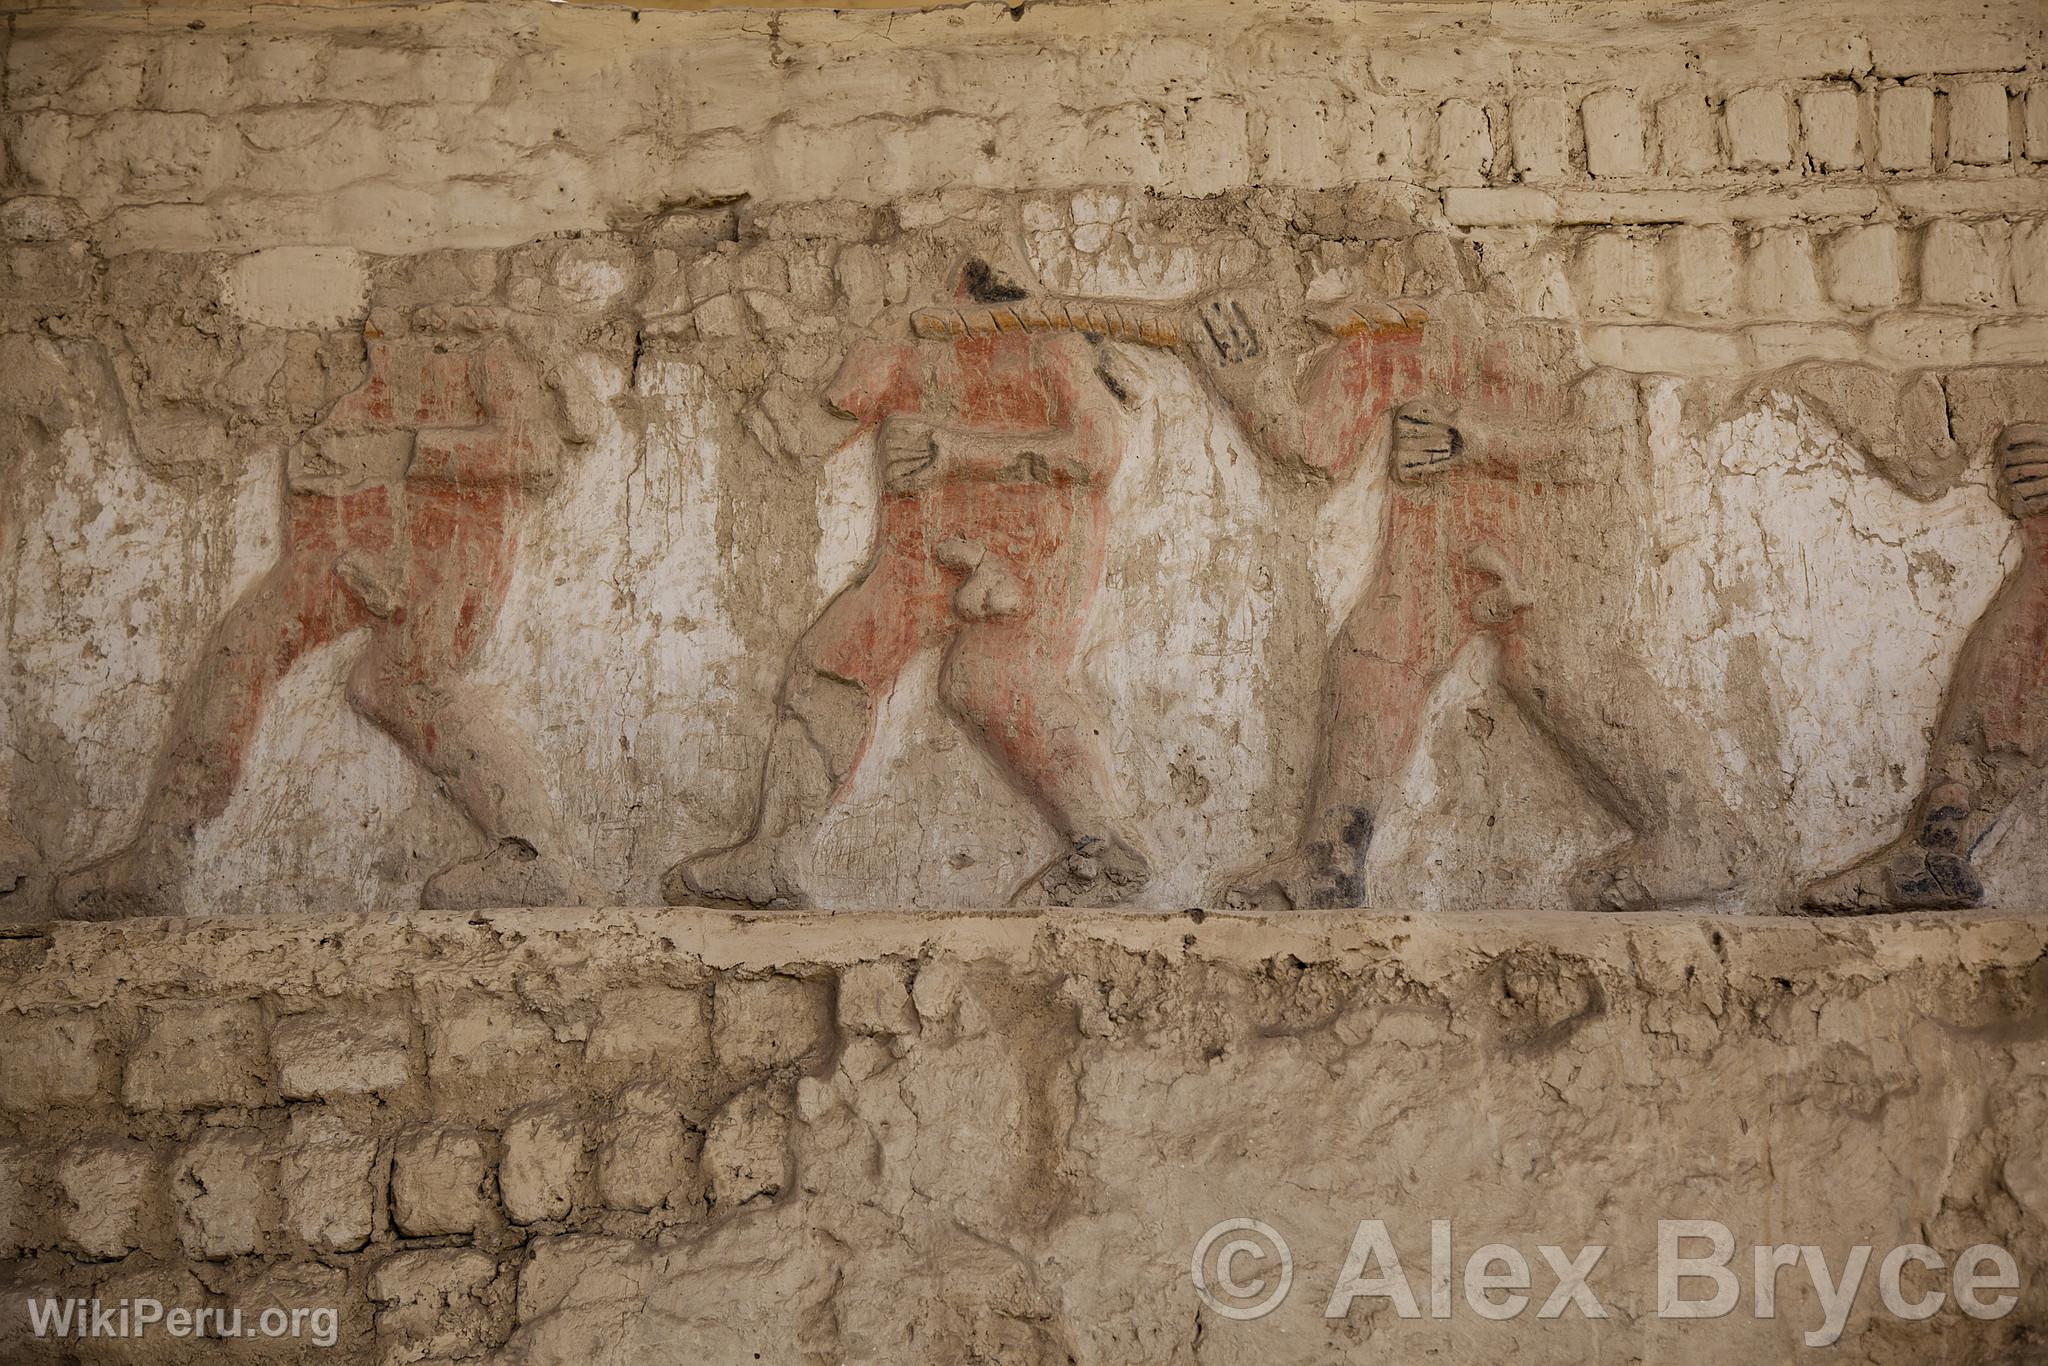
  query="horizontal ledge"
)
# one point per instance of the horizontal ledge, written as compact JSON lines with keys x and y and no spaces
{"x":1522,"y":206}
{"x":73,"y":963}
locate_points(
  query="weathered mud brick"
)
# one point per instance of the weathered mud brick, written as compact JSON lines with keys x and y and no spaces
{"x":487,"y":1043}
{"x":1915,"y":339}
{"x":1905,"y":128}
{"x":1539,"y":130}
{"x":874,"y":998}
{"x":1780,"y":274}
{"x":1621,"y":274}
{"x":438,"y":1304}
{"x":647,"y":1158}
{"x":762,"y":1024}
{"x":442,"y":1180}
{"x":199,"y":1057}
{"x":343,"y":1051}
{"x":1704,"y":266}
{"x":652,"y":1027}
{"x":544,"y":1163}
{"x":1978,"y":124}
{"x":1864,"y":267}
{"x":2030,"y":264}
{"x":1959,"y":264}
{"x":224,"y":1183}
{"x":1759,"y":129}
{"x":330,"y":1175}
{"x":56,"y":1058}
{"x":16,"y":1211}
{"x":746,"y":1151}
{"x":1613,"y":123}
{"x":1829,"y":124}
{"x":1464,"y":142}
{"x":1688,"y":135}
{"x":105,"y":1189}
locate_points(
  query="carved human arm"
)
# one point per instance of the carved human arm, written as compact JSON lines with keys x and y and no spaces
{"x":916,"y":453}
{"x":1078,"y":446}
{"x":1901,"y":422}
{"x":515,"y":445}
{"x":1433,"y":435}
{"x":1253,"y":353}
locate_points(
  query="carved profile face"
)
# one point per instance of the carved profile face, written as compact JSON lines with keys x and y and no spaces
{"x":2022,"y":452}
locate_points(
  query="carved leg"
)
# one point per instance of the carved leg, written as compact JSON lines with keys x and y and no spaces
{"x":1651,"y":765}
{"x":411,"y":683}
{"x":810,"y":756}
{"x":1378,"y":721}
{"x":849,"y":658}
{"x":456,"y":731}
{"x":295,"y":607}
{"x":1386,"y":662}
{"x":1991,"y":745}
{"x":1007,"y":682}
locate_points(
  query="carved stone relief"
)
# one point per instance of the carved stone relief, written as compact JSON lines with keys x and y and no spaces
{"x":1502,"y":452}
{"x":905,"y":538}
{"x":996,"y":448}
{"x":401,"y":517}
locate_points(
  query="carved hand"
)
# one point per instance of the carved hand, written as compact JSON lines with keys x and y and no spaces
{"x":1425,"y":440}
{"x":910,"y":454}
{"x":334,"y":462}
{"x":2022,"y":451}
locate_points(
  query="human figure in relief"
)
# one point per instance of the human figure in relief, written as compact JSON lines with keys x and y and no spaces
{"x":402,"y":516}
{"x":1991,"y":743}
{"x":1497,"y":453}
{"x":996,"y":451}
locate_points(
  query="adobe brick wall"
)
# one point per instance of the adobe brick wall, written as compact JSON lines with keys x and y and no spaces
{"x":641,"y":1136}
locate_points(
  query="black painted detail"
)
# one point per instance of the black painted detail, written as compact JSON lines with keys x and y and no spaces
{"x":984,"y":286}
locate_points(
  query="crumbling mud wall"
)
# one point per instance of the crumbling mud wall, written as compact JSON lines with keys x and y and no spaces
{"x":609,"y":1137}
{"x":1282,"y":455}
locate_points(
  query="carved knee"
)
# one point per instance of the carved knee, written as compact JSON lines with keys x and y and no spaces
{"x":973,"y":688}
{"x":378,"y":691}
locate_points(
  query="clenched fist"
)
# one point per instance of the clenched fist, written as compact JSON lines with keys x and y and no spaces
{"x":1425,"y":439}
{"x":910,"y":455}
{"x":2022,"y":451}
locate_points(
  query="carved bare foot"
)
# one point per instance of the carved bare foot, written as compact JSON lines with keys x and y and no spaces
{"x":1925,"y":871}
{"x":1282,"y":884}
{"x":1324,"y":874}
{"x":1092,"y":871}
{"x":1905,"y":877}
{"x":1304,"y":880}
{"x":141,"y":879}
{"x":1660,"y":871}
{"x":511,"y":873}
{"x":751,"y":873}
{"x":1861,"y":889}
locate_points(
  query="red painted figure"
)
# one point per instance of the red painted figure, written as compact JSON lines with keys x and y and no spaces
{"x":996,"y":455}
{"x":401,"y":517}
{"x":1991,"y":743}
{"x":1489,"y":455}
